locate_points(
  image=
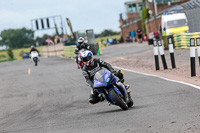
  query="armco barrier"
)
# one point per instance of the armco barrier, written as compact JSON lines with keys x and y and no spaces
{"x":182,"y":40}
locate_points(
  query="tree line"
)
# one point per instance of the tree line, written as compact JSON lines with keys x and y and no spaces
{"x":24,"y":38}
{"x":107,"y":32}
{"x":17,"y":38}
{"x":21,"y":38}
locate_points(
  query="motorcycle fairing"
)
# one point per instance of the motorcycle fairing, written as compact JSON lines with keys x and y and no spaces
{"x":101,"y":78}
{"x":123,"y":90}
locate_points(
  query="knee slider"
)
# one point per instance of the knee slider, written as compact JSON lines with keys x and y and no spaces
{"x":94,"y":100}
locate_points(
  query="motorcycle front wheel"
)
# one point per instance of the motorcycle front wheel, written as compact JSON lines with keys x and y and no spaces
{"x":118,"y":100}
{"x":130,"y":103}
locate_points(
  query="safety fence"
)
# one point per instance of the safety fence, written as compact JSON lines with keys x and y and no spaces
{"x":53,"y":50}
{"x":182,"y":40}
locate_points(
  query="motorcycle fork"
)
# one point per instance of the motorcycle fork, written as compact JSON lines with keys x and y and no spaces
{"x":117,"y":86}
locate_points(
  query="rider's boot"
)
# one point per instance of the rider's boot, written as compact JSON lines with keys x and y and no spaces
{"x":127,"y":86}
{"x":101,"y":98}
{"x":95,"y":97}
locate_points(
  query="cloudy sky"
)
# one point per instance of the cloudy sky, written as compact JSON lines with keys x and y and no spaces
{"x":83,"y":14}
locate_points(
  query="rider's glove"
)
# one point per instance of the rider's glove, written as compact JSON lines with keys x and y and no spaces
{"x":114,"y":72}
{"x":76,"y":51}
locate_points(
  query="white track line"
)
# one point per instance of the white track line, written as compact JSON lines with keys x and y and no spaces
{"x":181,"y":82}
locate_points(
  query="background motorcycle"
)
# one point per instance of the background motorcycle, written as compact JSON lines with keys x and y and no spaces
{"x":34,"y":57}
{"x":107,"y":84}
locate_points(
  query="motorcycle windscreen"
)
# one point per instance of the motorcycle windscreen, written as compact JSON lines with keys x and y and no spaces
{"x":100,"y":78}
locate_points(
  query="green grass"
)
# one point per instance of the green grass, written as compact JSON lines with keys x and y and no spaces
{"x":69,"y":51}
{"x":104,"y":38}
{"x":7,"y":60}
{"x":16,"y":52}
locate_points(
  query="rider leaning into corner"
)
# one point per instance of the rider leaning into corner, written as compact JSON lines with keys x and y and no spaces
{"x":81,"y":45}
{"x":90,"y":67}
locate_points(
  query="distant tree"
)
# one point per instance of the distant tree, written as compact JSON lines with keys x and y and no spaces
{"x":144,"y":16}
{"x":1,"y":42}
{"x":17,"y":38}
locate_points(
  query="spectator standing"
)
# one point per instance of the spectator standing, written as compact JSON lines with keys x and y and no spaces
{"x":121,"y":40}
{"x":107,"y":41}
{"x":139,"y":35}
{"x":132,"y":33}
{"x":63,"y":39}
{"x":49,"y":41}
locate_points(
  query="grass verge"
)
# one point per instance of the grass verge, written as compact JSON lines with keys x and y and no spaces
{"x":107,"y":37}
{"x":7,"y":60}
{"x":17,"y":53}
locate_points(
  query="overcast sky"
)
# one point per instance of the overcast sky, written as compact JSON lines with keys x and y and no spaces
{"x":83,"y":14}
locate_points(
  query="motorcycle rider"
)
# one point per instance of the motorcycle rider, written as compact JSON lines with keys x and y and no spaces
{"x":90,"y":67}
{"x":81,"y":45}
{"x":33,"y":55}
{"x":33,"y":49}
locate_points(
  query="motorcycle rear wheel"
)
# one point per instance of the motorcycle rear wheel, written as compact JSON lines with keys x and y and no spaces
{"x":118,"y":100}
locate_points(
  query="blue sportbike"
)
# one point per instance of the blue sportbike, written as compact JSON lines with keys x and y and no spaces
{"x":110,"y":87}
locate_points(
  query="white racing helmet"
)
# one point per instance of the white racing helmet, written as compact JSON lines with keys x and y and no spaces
{"x":87,"y":57}
{"x":81,"y":40}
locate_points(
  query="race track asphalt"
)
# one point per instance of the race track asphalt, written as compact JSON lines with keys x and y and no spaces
{"x":53,"y":98}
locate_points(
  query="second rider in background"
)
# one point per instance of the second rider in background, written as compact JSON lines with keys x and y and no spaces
{"x":81,"y":45}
